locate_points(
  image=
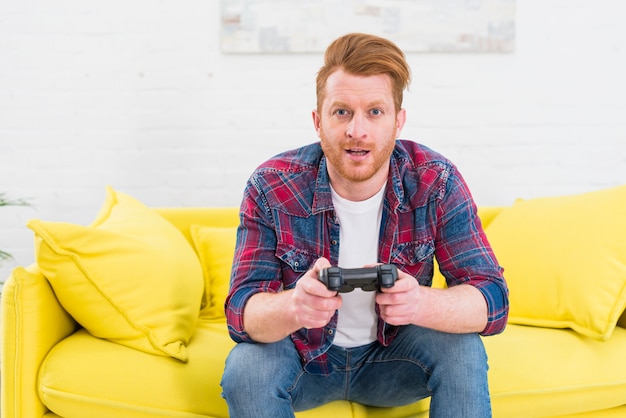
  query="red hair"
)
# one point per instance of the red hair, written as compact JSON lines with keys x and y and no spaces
{"x":365,"y":55}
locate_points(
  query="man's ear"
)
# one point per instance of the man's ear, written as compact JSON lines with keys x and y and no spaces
{"x":400,"y":120}
{"x":316,"y":121}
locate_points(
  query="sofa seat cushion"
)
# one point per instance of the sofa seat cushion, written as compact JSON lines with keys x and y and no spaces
{"x":112,"y":380}
{"x":554,"y":372}
{"x":526,"y":368}
{"x":551,"y":372}
{"x":84,"y":373}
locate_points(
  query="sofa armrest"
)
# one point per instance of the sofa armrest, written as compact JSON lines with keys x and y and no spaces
{"x":33,"y":322}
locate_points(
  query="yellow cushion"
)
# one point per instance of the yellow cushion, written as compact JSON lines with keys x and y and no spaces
{"x":550,"y":372}
{"x":102,"y":378}
{"x":419,"y":409}
{"x":215,"y":247}
{"x":130,"y":277}
{"x":161,"y":387}
{"x":565,"y":260}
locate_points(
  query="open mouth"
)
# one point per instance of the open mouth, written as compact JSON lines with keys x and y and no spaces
{"x":357,"y":152}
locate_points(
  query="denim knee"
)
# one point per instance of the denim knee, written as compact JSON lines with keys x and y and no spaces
{"x":461,"y":374}
{"x":465,"y":354}
{"x":432,"y":347}
{"x":256,"y":365}
{"x":257,"y":379}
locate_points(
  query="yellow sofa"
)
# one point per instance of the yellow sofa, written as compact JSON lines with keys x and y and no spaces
{"x":550,"y":364}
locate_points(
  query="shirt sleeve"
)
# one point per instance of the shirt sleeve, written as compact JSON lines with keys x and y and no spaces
{"x":464,"y":254}
{"x":255,"y":267}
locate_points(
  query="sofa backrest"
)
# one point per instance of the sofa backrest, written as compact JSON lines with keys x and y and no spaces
{"x":184,"y":218}
{"x":488,"y":214}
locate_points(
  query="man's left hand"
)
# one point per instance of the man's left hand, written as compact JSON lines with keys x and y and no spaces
{"x":399,"y":303}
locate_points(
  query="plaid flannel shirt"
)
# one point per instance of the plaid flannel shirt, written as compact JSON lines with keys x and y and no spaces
{"x":288,"y":222}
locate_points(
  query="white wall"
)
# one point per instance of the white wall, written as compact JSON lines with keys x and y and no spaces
{"x":137,"y":94}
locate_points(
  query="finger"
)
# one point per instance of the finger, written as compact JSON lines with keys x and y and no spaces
{"x":316,"y":311}
{"x":405,"y":282}
{"x":321,"y":263}
{"x":319,"y":288}
{"x":311,"y":284}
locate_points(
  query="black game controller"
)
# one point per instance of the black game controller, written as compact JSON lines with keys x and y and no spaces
{"x":367,"y":278}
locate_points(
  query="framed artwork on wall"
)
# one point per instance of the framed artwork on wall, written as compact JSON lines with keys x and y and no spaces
{"x":287,"y":26}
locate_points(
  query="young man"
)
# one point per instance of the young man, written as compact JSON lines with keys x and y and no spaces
{"x":357,"y":198}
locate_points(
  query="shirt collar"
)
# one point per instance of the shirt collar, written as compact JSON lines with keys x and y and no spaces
{"x":322,"y":197}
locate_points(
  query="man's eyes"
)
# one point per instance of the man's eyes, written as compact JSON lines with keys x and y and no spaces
{"x":345,"y":112}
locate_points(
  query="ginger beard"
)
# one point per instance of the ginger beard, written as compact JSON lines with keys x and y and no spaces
{"x":356,"y":161}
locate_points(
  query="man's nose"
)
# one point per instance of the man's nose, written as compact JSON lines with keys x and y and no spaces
{"x":357,"y":128}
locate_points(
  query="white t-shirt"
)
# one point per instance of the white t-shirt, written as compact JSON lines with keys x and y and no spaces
{"x":358,"y":246}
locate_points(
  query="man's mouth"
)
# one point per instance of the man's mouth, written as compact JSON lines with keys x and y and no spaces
{"x":357,"y":152}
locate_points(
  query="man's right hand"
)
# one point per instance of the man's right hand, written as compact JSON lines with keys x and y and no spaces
{"x":313,"y":305}
{"x":270,"y":317}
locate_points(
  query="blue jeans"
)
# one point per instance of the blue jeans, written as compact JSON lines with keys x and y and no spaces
{"x":267,"y":380}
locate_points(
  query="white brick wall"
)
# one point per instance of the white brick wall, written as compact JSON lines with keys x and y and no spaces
{"x":137,"y":94}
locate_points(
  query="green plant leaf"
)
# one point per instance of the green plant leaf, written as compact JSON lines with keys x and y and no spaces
{"x":6,"y":201}
{"x":5,"y":256}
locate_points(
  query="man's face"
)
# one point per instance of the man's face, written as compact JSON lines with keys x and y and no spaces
{"x":358,"y":125}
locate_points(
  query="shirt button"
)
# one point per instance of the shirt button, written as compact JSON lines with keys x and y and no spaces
{"x":296,"y":264}
{"x":334,"y":242}
{"x":331,"y":332}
